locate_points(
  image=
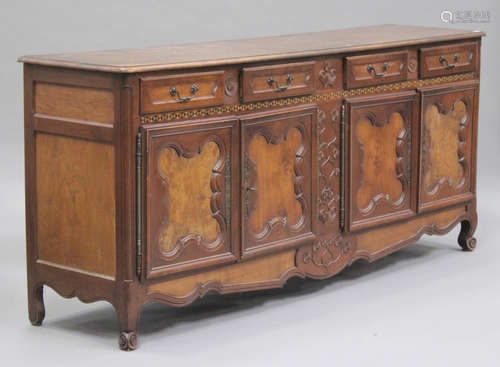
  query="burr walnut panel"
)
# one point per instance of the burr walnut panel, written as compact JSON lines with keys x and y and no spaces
{"x":189,"y":197}
{"x":380,"y":158}
{"x":277,"y":179}
{"x":189,"y":178}
{"x":447,"y":125}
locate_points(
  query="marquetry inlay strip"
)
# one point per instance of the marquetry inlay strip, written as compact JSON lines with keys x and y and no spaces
{"x":316,"y":98}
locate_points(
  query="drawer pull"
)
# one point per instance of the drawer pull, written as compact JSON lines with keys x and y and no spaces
{"x":371,"y":69}
{"x":280,"y":88}
{"x":443,"y":60}
{"x":174,"y":92}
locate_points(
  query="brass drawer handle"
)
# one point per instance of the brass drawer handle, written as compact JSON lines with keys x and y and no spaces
{"x":174,"y":92}
{"x":280,"y":88}
{"x":371,"y":69}
{"x":443,"y":60}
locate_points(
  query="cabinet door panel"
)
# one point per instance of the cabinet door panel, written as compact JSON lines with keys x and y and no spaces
{"x":380,"y":167}
{"x":448,"y":125}
{"x":277,"y":162}
{"x":188,"y":196}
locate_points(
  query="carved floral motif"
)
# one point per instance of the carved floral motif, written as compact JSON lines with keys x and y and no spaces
{"x":326,"y":257}
{"x":328,"y":157}
{"x":230,"y":86}
{"x":328,"y":75}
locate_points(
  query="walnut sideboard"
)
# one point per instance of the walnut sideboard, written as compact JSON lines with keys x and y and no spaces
{"x":162,"y":174}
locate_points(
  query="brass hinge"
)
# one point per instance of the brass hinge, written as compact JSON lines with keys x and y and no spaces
{"x":342,"y":167}
{"x":138,"y":191}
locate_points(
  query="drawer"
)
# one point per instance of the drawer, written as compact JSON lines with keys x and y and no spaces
{"x":182,"y":91}
{"x":366,"y":70}
{"x":449,"y":59}
{"x":278,"y":81}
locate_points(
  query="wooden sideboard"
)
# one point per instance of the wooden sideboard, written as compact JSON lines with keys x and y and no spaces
{"x":165,"y":173}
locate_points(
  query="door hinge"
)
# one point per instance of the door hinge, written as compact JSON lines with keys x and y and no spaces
{"x":342,"y":167}
{"x":138,"y":191}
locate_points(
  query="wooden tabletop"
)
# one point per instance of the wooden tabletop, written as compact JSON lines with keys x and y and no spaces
{"x":251,"y":50}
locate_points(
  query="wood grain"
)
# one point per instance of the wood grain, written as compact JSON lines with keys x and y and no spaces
{"x":257,"y":271}
{"x":275,"y":163}
{"x":75,"y":203}
{"x":442,"y":154}
{"x":448,"y":123}
{"x":448,"y":59}
{"x":379,"y":160}
{"x":189,"y":194}
{"x":82,"y":103}
{"x":156,"y":93}
{"x":253,"y":50}
{"x":381,"y":151}
{"x":387,"y":67}
{"x":189,"y":184}
{"x":374,"y":242}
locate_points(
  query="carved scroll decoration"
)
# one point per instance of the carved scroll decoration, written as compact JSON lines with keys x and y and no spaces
{"x":327,"y":256}
{"x":328,"y":162}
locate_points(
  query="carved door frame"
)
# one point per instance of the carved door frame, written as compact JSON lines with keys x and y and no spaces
{"x":407,"y":151}
{"x":224,"y":205}
{"x":304,"y":119}
{"x":444,"y":194}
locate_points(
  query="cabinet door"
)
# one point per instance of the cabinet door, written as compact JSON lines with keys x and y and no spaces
{"x":381,"y":150}
{"x":277,"y":185}
{"x":191,"y":181}
{"x":447,"y":138}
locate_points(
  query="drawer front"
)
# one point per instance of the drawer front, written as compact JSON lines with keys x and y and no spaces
{"x":278,"y":81}
{"x":191,"y":191}
{"x":450,"y":59}
{"x":366,"y":70}
{"x":381,"y":173}
{"x":277,"y":179}
{"x":447,"y":139}
{"x":182,"y":91}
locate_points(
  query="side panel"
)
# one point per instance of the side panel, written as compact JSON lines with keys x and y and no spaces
{"x":71,"y":169}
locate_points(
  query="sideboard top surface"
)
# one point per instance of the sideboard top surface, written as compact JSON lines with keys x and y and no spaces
{"x":251,"y":50}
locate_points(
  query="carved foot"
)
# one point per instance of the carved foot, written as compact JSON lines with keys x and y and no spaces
{"x":36,"y":307}
{"x":465,"y":238}
{"x":128,"y":340}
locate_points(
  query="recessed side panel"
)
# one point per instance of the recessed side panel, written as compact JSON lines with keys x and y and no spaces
{"x":75,"y":203}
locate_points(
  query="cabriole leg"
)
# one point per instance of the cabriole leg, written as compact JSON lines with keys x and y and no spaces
{"x":466,"y":240}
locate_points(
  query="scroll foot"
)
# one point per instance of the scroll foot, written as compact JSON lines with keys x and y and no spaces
{"x":466,"y":240}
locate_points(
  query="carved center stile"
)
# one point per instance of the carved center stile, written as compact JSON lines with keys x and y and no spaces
{"x":381,"y":162}
{"x":190,"y":191}
{"x":273,"y":186}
